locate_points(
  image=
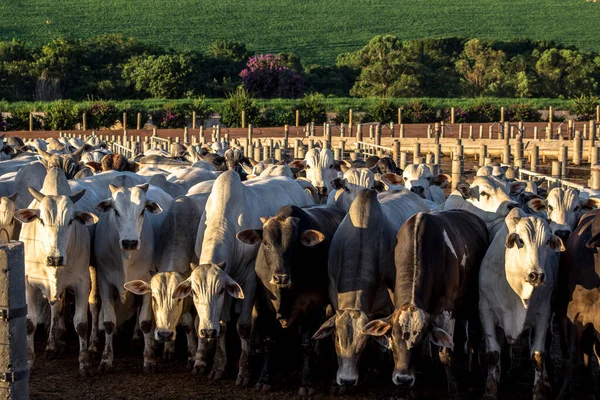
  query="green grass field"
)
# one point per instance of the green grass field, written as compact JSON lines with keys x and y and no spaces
{"x":317,"y":30}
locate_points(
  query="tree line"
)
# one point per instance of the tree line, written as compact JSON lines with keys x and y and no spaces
{"x":116,"y":67}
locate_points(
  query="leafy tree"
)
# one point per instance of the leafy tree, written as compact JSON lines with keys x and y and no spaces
{"x":267,"y":76}
{"x":231,"y":50}
{"x":312,"y":108}
{"x":566,"y":73}
{"x":481,"y":68}
{"x":238,"y":101}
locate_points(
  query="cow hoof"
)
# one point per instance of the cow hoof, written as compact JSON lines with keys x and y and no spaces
{"x":149,"y":369}
{"x":242,"y":381}
{"x":94,"y":354}
{"x":190,"y":365}
{"x":306,"y":391}
{"x":335,"y":389}
{"x":262,"y":387}
{"x":104,"y":368}
{"x":86,"y":371}
{"x":215,"y":375}
{"x":50,"y":354}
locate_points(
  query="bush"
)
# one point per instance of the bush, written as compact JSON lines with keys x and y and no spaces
{"x":201,"y":107}
{"x":523,"y":112}
{"x":483,"y":112}
{"x":460,"y":115}
{"x":19,"y":121}
{"x":584,"y":107}
{"x":63,"y":114}
{"x":102,"y":115}
{"x":266,"y":76}
{"x":342,"y":115}
{"x":384,"y":111}
{"x":277,"y":117}
{"x":231,"y":112}
{"x":418,"y":112}
{"x":312,"y":109}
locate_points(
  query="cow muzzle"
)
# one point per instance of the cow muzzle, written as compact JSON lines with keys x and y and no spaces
{"x":403,"y":380}
{"x":321,"y":191}
{"x":52,"y":261}
{"x":418,"y":190}
{"x":164,"y":335}
{"x":535,"y":278}
{"x":130,"y":244}
{"x":281,"y":279}
{"x":563,"y":234}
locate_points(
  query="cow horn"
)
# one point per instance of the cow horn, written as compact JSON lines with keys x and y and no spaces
{"x":36,"y":195}
{"x":144,"y":187}
{"x":44,"y":154}
{"x":77,"y":154}
{"x":77,"y":196}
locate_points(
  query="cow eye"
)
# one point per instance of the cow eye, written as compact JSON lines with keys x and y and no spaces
{"x":41,"y":221}
{"x":550,"y":208}
{"x":142,"y":213}
{"x":483,"y":194}
{"x":70,"y":222}
{"x":331,"y":166}
{"x":405,"y":179}
{"x":576,"y":208}
{"x":116,"y":213}
{"x":221,"y":291}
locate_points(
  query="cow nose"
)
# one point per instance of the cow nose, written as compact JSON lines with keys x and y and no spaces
{"x":348,"y":382}
{"x":281,"y":279}
{"x":418,"y":190}
{"x":563,"y":234}
{"x":55,"y":261}
{"x":208,"y":333}
{"x":535,"y":278}
{"x":404,"y":380}
{"x":129,"y":244}
{"x":165,"y":335}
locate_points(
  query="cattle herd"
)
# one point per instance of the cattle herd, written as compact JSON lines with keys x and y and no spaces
{"x":354,"y":253}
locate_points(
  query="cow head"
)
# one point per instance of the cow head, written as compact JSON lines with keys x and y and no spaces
{"x":234,"y":159}
{"x":407,"y":329}
{"x":418,"y":179}
{"x":209,"y":284}
{"x":563,"y":207}
{"x":348,"y":187}
{"x":489,"y":196}
{"x":69,"y":163}
{"x":7,"y":210}
{"x":318,"y":165}
{"x":529,"y":244}
{"x":166,"y":308}
{"x":346,"y":326}
{"x":128,"y":206}
{"x":55,"y":218}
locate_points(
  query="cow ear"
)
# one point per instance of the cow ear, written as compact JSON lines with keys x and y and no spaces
{"x":153,"y":207}
{"x":338,"y":183}
{"x":311,"y":237}
{"x":594,"y":242}
{"x":184,"y":289}
{"x":104,"y":206}
{"x":86,"y":218}
{"x":263,"y":220}
{"x":517,"y":188}
{"x":464,"y":189}
{"x":442,"y":180}
{"x":537,"y":204}
{"x":234,"y":289}
{"x":13,"y":197}
{"x":512,"y":239}
{"x":144,"y":187}
{"x":250,"y":236}
{"x":379,"y":186}
{"x":138,"y":287}
{"x":556,"y":244}
{"x":590,"y":204}
{"x":112,"y":188}
{"x":441,"y":338}
{"x":377,"y":327}
{"x":298,"y":164}
{"x":326,"y":329}
{"x":391,"y":179}
{"x":27,"y":215}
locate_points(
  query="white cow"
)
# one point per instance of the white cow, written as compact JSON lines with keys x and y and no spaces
{"x":10,"y":227}
{"x":124,"y":248}
{"x":418,"y":179}
{"x":516,"y":281}
{"x":57,"y":257}
{"x":232,"y":207}
{"x":318,"y":164}
{"x":347,"y":187}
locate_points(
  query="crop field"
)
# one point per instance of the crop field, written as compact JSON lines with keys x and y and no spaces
{"x":316,"y":30}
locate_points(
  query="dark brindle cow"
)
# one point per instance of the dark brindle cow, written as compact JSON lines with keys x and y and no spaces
{"x":292,"y":269}
{"x":437,"y":264}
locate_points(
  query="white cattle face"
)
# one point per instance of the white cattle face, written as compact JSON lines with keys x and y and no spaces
{"x":128,"y":206}
{"x":529,"y":244}
{"x":346,"y":326}
{"x":563,"y":207}
{"x":418,"y":179}
{"x":167,"y":309}
{"x":489,"y":197}
{"x":208,"y":284}
{"x":55,"y":219}
{"x":7,"y":210}
{"x":348,"y":187}
{"x":318,"y":165}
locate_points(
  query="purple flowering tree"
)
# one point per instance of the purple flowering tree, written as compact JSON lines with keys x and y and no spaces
{"x":266,"y":76}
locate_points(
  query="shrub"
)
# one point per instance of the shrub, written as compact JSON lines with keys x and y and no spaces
{"x":523,"y":112}
{"x":277,"y":117}
{"x":201,"y":107}
{"x":384,"y":111}
{"x":266,"y":76}
{"x":312,"y":108}
{"x":584,"y":107}
{"x":102,"y":115}
{"x":19,"y":120}
{"x":231,"y":112}
{"x":63,"y":114}
{"x":483,"y":112}
{"x":460,"y":115}
{"x":342,"y":115}
{"x":418,"y":112}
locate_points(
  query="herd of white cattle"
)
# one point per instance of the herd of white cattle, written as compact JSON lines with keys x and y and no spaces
{"x":195,"y":241}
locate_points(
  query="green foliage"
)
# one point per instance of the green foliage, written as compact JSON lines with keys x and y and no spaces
{"x":342,"y":115}
{"x":102,"y":115}
{"x":231,"y":112}
{"x":481,"y":68}
{"x":202,"y":108}
{"x":64,"y":114}
{"x":418,"y":112}
{"x":523,"y":112}
{"x":584,"y":107}
{"x":231,"y":50}
{"x":277,"y":116}
{"x":312,"y":108}
{"x":566,"y":73}
{"x":18,"y":120}
{"x":384,"y":110}
{"x":483,"y":111}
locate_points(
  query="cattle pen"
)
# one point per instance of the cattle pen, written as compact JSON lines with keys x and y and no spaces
{"x":551,"y":154}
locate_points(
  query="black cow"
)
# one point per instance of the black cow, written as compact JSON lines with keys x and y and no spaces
{"x":437,"y":261}
{"x":291,"y":266}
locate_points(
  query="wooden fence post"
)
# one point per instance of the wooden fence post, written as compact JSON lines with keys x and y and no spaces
{"x":30,"y":122}
{"x":535,"y":155}
{"x":502,"y":115}
{"x":403,"y":159}
{"x":598,"y":113}
{"x":13,"y":323}
{"x":451,"y":115}
{"x":556,"y":171}
{"x":399,"y":115}
{"x":482,"y":154}
{"x":457,"y":163}
{"x":396,"y":152}
{"x":243,"y":119}
{"x":595,"y":180}
{"x":84,"y":121}
{"x":506,"y":154}
{"x":297,"y":118}
{"x":416,"y":151}
{"x":564,"y":159}
{"x":350,"y":122}
{"x":193,"y":119}
{"x":437,"y":154}
{"x":359,"y":133}
{"x":124,"y":120}
{"x":401,"y":134}
{"x":577,"y":149}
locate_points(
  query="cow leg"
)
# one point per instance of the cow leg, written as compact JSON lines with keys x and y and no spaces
{"x":541,"y":384}
{"x":244,"y":328}
{"x":169,"y":351}
{"x":220,"y":360}
{"x":187,"y":322}
{"x":492,"y":351}
{"x":94,"y":311}
{"x":52,"y":346}
{"x":80,"y":321}
{"x":32,"y":321}
{"x":145,"y":321}
{"x":109,"y":321}
{"x":574,"y":335}
{"x":308,"y":349}
{"x":447,"y":358}
{"x":264,"y":382}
